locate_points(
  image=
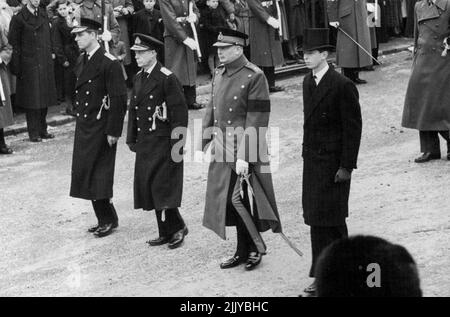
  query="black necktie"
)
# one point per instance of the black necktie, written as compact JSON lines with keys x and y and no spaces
{"x":313,"y":82}
{"x":36,"y":12}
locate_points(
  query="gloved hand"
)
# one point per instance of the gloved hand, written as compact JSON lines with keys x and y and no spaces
{"x":112,"y":140}
{"x":335,"y":24}
{"x":198,"y":157}
{"x":273,"y":22}
{"x":189,"y":42}
{"x":241,"y":167}
{"x":192,"y":18}
{"x":342,"y":175}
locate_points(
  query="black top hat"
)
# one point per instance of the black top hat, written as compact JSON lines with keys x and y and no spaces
{"x":317,"y":39}
{"x":228,"y":37}
{"x":144,"y":42}
{"x":86,"y":24}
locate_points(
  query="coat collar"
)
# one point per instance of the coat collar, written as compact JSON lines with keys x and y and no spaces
{"x":313,"y":99}
{"x":27,"y":15}
{"x":150,"y":81}
{"x":427,"y":12}
{"x":236,"y":65}
{"x":91,"y":69}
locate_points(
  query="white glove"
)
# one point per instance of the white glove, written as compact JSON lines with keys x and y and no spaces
{"x":106,"y":36}
{"x":334,"y":24}
{"x":241,"y":167}
{"x":198,"y":157}
{"x":189,"y":42}
{"x":192,"y":18}
{"x":273,"y":22}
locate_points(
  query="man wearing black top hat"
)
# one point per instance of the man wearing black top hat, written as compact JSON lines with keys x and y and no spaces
{"x":100,"y":105}
{"x":239,"y":190}
{"x":157,"y":123}
{"x":331,"y":139}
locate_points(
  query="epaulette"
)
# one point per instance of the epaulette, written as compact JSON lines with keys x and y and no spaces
{"x":110,"y":56}
{"x":253,"y":67}
{"x":165,"y":71}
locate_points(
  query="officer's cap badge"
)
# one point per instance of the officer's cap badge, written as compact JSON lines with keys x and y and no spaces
{"x":220,"y":37}
{"x":137,"y":40}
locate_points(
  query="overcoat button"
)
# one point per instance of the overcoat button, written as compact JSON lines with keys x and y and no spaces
{"x":242,"y":86}
{"x":235,"y":97}
{"x":139,"y":129}
{"x":150,"y":119}
{"x":87,"y":92}
{"x":231,"y":109}
{"x":137,"y":118}
{"x":136,"y":108}
{"x":148,"y":108}
{"x":85,"y":115}
{"x":151,"y":96}
{"x":229,"y":122}
{"x":150,"y":130}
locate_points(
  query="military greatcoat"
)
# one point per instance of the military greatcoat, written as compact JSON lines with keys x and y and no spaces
{"x":178,"y":57}
{"x":353,"y":19}
{"x":93,"y":159}
{"x":265,"y":42}
{"x":331,"y":139}
{"x":239,"y":101}
{"x":428,"y":94}
{"x":158,"y":177}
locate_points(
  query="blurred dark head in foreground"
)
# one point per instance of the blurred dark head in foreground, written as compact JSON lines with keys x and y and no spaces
{"x":366,"y":266}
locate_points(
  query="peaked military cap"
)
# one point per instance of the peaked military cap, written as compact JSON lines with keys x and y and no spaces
{"x":144,"y":42}
{"x":228,"y":37}
{"x":86,"y":24}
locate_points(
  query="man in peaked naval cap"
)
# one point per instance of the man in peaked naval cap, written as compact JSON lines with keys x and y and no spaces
{"x":100,"y":105}
{"x":157,"y":121}
{"x":239,"y":101}
{"x":332,"y":135}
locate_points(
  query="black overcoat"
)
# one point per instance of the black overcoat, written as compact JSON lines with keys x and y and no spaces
{"x":93,"y":158}
{"x":331,"y":139}
{"x":32,"y":61}
{"x":158,"y":178}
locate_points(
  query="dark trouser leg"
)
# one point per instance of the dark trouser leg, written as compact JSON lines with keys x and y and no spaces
{"x":190,"y":94}
{"x":2,"y":138}
{"x":169,"y":221}
{"x":33,"y":122}
{"x":43,"y":121}
{"x":269,"y":72}
{"x":114,"y":216}
{"x":349,"y":73}
{"x":429,"y":142}
{"x":245,"y":244}
{"x":104,"y":211}
{"x":321,"y":237}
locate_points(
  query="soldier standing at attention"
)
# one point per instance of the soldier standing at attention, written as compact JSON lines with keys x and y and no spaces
{"x":158,"y":119}
{"x":100,"y":105}
{"x":235,"y":126}
{"x":332,"y":135}
{"x":180,"y":48}
{"x":426,"y":103}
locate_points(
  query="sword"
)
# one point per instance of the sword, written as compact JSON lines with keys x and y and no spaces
{"x":359,"y":45}
{"x":251,"y":194}
{"x":194,"y":31}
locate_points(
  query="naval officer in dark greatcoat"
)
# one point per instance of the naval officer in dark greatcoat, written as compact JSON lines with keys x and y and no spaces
{"x":100,"y":105}
{"x":157,"y":122}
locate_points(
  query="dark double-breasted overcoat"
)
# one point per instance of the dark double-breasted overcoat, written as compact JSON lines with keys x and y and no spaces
{"x":32,"y":61}
{"x":265,"y":42}
{"x":331,"y":139}
{"x":93,"y":159}
{"x":178,"y":57}
{"x":158,"y":177}
{"x":353,"y":19}
{"x":239,"y":101}
{"x":428,"y":94}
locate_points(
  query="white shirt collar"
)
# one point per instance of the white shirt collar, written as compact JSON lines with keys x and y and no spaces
{"x":91,"y":53}
{"x":319,"y":75}
{"x":148,"y":71}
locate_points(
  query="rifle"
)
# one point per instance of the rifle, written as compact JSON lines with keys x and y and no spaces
{"x":194,"y":31}
{"x":105,"y":26}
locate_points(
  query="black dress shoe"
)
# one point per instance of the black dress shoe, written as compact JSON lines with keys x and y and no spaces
{"x":47,"y":136}
{"x":35,"y":139}
{"x":196,"y":106}
{"x":276,"y":89}
{"x":104,"y":230}
{"x":359,"y":81}
{"x":158,"y":241}
{"x":254,"y":258}
{"x":93,"y":228}
{"x":6,"y":150}
{"x":178,"y":238}
{"x":233,"y":262}
{"x":427,"y":156}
